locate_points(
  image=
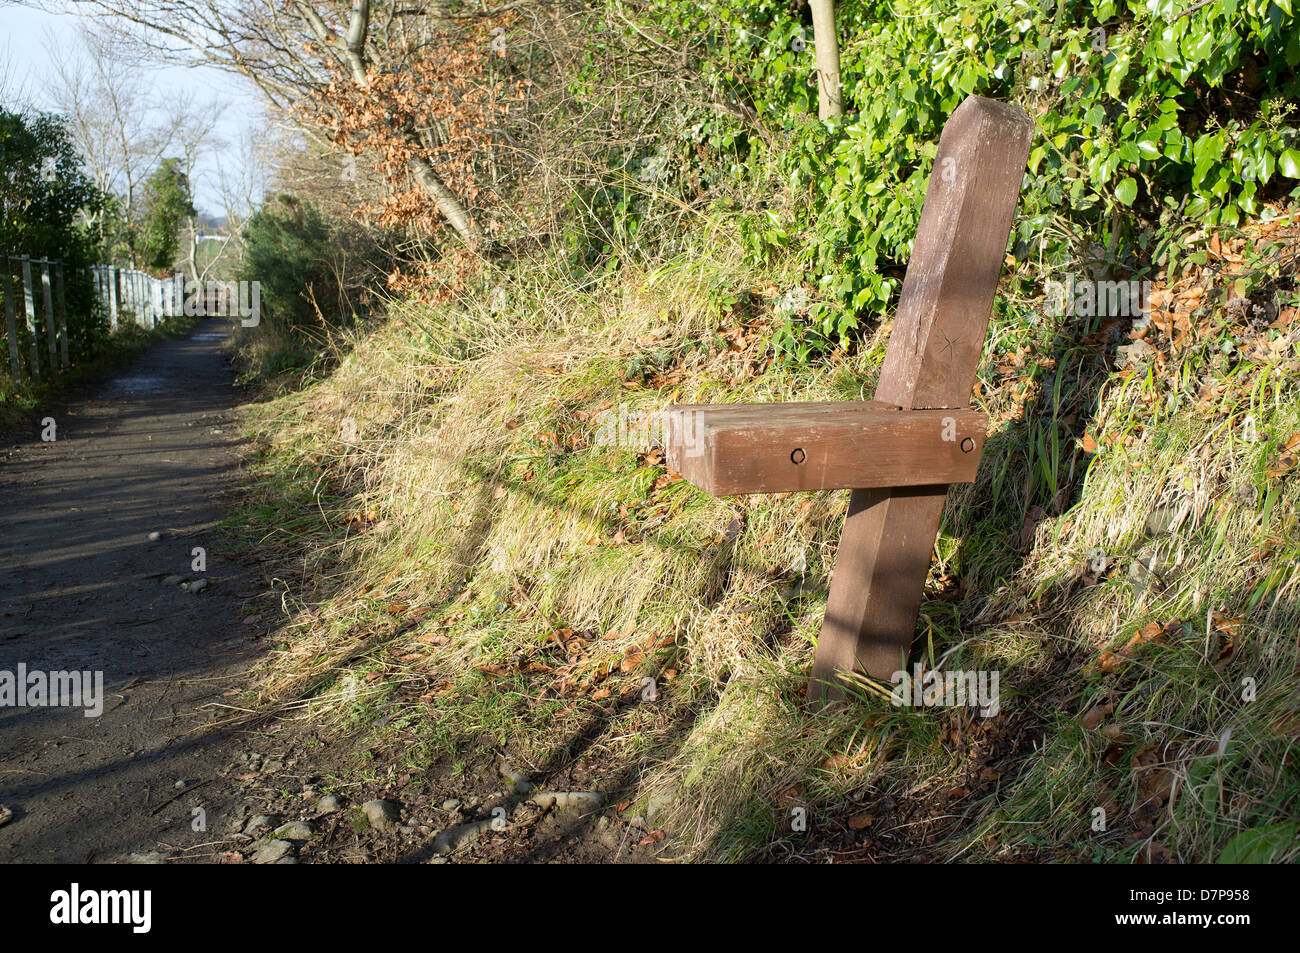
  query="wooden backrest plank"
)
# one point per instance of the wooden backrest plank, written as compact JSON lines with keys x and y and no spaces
{"x":952,"y":275}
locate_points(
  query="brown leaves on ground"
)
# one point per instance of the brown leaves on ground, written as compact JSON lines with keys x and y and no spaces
{"x":1155,"y":781}
{"x":862,"y":820}
{"x":1151,"y":632}
{"x":580,"y":670}
{"x":361,"y":519}
{"x":1098,"y":713}
{"x":631,"y":659}
{"x":1286,"y":459}
{"x":1224,"y":636}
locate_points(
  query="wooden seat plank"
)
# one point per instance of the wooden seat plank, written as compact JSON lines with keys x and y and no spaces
{"x":731,"y":449}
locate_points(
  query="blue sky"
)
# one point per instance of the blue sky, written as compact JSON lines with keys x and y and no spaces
{"x":23,"y":59}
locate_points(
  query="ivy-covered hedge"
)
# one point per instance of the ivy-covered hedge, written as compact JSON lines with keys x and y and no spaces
{"x":1176,"y":109}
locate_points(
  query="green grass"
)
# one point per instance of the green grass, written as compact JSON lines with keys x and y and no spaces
{"x":492,"y":529}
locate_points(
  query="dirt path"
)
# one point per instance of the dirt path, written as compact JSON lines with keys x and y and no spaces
{"x":82,"y":587}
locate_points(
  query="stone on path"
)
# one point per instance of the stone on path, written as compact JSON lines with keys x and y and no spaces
{"x":381,"y":814}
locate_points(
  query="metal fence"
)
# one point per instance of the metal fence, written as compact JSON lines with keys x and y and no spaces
{"x":36,"y":314}
{"x":147,"y":298}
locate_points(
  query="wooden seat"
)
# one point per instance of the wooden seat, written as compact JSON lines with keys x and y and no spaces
{"x":893,"y":452}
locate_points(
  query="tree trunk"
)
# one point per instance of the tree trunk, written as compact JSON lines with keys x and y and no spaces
{"x":829,"y":101}
{"x":445,"y":199}
{"x":351,"y":48}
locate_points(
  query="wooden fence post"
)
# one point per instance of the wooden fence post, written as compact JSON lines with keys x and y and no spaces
{"x":29,"y":303}
{"x":51,"y":335}
{"x":112,"y":298}
{"x":61,"y":302}
{"x":11,"y":322}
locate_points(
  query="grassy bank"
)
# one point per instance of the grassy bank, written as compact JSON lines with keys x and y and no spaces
{"x":467,"y":565}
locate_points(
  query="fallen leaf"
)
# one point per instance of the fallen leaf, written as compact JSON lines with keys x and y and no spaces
{"x":1151,"y":632}
{"x":1033,"y":516}
{"x":861,"y":820}
{"x":1095,"y":715}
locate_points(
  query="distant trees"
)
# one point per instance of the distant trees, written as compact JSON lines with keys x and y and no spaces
{"x":402,"y":73}
{"x":167,"y":205}
{"x":122,"y":130}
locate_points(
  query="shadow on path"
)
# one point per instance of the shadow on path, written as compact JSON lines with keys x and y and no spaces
{"x":81,"y":589}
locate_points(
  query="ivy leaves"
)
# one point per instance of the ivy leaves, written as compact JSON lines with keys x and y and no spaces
{"x":1138,"y":103}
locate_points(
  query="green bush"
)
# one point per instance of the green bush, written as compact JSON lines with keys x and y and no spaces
{"x":168,"y":204}
{"x":1142,"y":109}
{"x":312,"y":271}
{"x":45,"y":202}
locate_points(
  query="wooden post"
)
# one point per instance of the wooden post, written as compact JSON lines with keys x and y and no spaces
{"x":29,"y":304}
{"x":112,"y":298}
{"x":934,"y":349}
{"x":51,"y":335}
{"x":11,"y":322}
{"x":61,"y":302}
